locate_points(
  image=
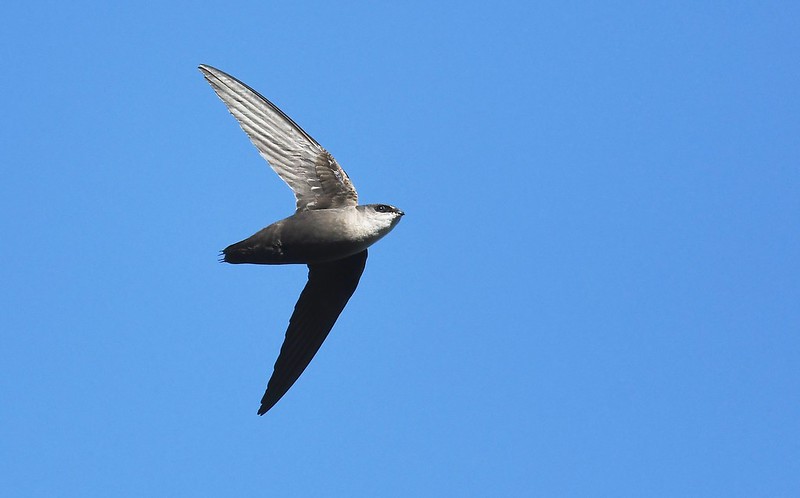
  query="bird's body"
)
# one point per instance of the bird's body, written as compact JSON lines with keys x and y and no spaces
{"x":316,"y":236}
{"x":330,"y":232}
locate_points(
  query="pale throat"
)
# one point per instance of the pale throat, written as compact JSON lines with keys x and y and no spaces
{"x":367,"y":226}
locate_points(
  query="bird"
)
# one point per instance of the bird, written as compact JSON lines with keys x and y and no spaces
{"x":329,"y":231}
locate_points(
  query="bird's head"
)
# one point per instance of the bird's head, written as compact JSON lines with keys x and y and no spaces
{"x":383,"y":215}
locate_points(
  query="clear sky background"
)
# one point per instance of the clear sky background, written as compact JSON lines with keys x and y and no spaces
{"x":595,"y":290}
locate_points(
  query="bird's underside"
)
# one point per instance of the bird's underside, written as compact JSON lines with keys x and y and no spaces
{"x":306,"y":237}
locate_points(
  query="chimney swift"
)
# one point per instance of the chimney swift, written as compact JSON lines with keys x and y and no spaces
{"x":329,"y":231}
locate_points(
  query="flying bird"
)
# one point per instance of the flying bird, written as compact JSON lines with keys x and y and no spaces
{"x":329,"y":231}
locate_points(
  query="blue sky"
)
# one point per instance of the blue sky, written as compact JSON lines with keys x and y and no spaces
{"x":594,"y":291}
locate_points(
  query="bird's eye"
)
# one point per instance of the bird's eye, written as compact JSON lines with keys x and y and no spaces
{"x":382,"y":208}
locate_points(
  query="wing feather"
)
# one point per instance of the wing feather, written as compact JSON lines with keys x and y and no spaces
{"x":329,"y":287}
{"x":317,"y":180}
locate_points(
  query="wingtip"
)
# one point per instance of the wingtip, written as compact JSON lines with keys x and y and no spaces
{"x":265,"y":408}
{"x":207,"y":70}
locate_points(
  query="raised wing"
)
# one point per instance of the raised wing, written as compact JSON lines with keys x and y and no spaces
{"x":329,"y":287}
{"x":310,"y":171}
